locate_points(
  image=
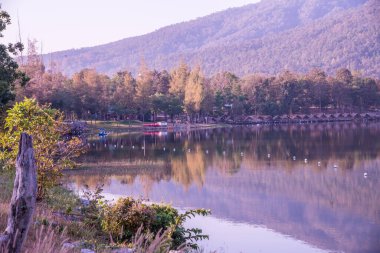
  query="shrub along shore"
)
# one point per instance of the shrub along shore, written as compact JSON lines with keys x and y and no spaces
{"x":65,"y":222}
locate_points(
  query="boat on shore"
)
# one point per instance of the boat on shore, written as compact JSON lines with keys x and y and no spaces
{"x":156,"y":125}
{"x":102,"y":132}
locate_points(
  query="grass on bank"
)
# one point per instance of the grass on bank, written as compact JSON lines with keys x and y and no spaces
{"x":114,"y":126}
{"x":135,"y":126}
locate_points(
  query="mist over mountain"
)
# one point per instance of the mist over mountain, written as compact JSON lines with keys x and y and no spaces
{"x":267,"y":37}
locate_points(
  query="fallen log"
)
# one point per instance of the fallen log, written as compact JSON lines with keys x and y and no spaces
{"x":23,"y":200}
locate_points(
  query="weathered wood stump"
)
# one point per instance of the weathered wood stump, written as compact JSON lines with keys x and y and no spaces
{"x":23,"y":200}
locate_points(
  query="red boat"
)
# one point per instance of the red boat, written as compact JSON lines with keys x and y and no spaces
{"x":156,"y":125}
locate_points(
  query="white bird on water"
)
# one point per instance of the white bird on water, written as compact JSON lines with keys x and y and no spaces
{"x":305,"y":160}
{"x":294,"y":158}
{"x":365,"y":174}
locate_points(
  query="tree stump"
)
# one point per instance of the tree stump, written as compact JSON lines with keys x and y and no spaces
{"x":23,"y":200}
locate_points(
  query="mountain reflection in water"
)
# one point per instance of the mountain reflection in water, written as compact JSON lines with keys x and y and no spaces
{"x":303,"y":181}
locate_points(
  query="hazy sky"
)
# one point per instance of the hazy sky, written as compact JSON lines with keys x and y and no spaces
{"x":65,"y":24}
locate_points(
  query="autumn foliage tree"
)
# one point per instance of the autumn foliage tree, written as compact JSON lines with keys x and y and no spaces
{"x":194,"y":91}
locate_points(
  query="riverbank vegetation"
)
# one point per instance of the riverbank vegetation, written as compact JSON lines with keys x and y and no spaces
{"x":157,"y":224}
{"x":63,"y":222}
{"x":186,"y":93}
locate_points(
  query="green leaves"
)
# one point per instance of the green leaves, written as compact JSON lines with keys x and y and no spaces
{"x":188,"y":236}
{"x":9,"y":73}
{"x":123,"y":220}
{"x":46,"y":127}
{"x":5,"y":20}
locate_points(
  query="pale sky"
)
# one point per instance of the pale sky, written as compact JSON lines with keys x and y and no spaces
{"x":66,"y":24}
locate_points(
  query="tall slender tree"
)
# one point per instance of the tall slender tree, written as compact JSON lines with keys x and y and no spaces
{"x":194,"y":91}
{"x":144,"y":90}
{"x":10,"y":74}
{"x":178,"y":81}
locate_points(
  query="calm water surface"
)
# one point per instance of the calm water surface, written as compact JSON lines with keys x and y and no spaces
{"x":299,"y":188}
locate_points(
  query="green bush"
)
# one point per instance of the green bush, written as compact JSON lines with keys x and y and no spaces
{"x":165,"y":216}
{"x":123,"y":219}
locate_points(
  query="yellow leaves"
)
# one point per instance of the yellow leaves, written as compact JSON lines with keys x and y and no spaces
{"x":46,"y":127}
{"x":194,"y":91}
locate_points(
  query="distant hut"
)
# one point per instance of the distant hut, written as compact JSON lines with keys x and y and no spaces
{"x":339,"y":117}
{"x":314,"y":118}
{"x":331,"y":117}
{"x":348,"y":116}
{"x":285,"y":119}
{"x":260,"y":119}
{"x":322,"y":117}
{"x":277,"y":119}
{"x":305,"y":118}
{"x":356,"y":116}
{"x":375,"y":115}
{"x":296,"y":118}
{"x":366,"y":116}
{"x":268,"y":119}
{"x":249,"y":119}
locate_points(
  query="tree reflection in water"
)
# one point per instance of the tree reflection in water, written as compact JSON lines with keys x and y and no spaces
{"x":247,"y":174}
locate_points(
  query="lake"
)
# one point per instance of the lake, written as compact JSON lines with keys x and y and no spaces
{"x":288,"y":188}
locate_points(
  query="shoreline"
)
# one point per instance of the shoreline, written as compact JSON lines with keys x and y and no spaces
{"x":130,"y":127}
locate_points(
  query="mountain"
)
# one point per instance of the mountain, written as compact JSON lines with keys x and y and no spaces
{"x":267,"y":37}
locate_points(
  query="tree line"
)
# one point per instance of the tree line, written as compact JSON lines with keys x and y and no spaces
{"x":187,"y":91}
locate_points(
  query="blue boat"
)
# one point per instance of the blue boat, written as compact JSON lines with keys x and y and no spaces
{"x":102,"y":132}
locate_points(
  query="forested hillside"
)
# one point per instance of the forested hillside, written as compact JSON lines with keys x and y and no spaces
{"x":183,"y":90}
{"x":268,"y":37}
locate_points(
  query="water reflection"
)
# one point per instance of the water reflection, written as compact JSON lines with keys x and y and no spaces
{"x":256,"y":175}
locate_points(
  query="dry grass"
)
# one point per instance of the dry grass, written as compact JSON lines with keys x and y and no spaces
{"x":41,"y":238}
{"x":148,"y":243}
{"x":46,"y":239}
